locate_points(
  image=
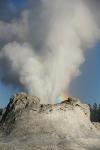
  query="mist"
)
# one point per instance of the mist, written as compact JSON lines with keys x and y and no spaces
{"x":44,"y":48}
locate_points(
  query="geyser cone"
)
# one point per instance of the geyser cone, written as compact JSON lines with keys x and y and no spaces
{"x":41,"y":126}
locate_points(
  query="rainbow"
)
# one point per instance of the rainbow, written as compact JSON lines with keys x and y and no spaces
{"x":63,"y":96}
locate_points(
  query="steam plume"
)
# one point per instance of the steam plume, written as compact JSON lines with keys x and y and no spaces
{"x":46,"y":45}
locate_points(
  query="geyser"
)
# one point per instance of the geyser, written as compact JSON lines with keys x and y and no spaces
{"x":44,"y":48}
{"x":26,"y":124}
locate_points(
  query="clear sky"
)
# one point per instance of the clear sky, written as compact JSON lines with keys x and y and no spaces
{"x":86,"y":86}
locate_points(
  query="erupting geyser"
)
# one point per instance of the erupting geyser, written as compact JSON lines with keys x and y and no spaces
{"x":44,"y":48}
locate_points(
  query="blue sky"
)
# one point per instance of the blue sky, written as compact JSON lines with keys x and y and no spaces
{"x":86,"y":86}
{"x":10,"y":8}
{"x":5,"y":94}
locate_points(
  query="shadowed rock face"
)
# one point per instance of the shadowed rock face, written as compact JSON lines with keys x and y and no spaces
{"x":18,"y":103}
{"x":27,"y":124}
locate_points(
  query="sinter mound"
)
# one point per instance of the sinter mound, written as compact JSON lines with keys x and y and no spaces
{"x":26,"y":124}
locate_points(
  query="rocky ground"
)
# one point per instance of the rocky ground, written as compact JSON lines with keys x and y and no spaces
{"x":28,"y":125}
{"x":97,"y":125}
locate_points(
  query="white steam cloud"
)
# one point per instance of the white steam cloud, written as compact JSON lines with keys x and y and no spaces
{"x":45,"y":47}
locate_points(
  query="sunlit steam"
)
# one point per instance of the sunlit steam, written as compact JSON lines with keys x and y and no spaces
{"x":45,"y":47}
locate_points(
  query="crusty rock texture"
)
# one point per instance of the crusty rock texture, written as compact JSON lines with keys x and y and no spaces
{"x":26,"y":124}
{"x":97,"y":125}
{"x":18,"y":104}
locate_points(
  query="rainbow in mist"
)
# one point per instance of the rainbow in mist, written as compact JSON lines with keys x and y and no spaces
{"x":63,"y":96}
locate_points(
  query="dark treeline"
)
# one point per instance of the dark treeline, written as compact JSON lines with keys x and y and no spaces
{"x":95,"y":112}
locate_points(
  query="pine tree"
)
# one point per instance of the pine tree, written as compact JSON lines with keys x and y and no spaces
{"x":91,"y":116}
{"x":99,"y":113}
{"x":94,"y":113}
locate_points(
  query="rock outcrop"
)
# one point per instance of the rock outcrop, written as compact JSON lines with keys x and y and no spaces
{"x":18,"y":104}
{"x":97,"y":125}
{"x":27,"y":124}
